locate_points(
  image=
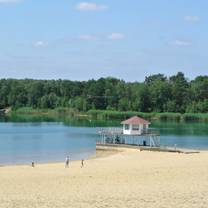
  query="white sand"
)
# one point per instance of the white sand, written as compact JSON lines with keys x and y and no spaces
{"x":125,"y":180}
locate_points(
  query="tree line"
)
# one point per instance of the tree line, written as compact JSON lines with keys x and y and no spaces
{"x":157,"y":93}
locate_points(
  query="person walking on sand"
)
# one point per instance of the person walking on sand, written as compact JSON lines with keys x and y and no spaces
{"x":82,"y":163}
{"x":67,"y":162}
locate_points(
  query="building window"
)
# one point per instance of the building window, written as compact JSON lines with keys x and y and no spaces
{"x":135,"y":127}
{"x":126,"y":127}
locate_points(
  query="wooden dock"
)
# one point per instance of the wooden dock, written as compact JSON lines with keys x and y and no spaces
{"x":115,"y":136}
{"x":145,"y":148}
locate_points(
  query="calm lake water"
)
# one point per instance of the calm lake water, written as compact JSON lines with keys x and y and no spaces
{"x":44,"y":142}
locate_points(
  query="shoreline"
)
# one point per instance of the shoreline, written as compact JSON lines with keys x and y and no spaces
{"x":101,"y":115}
{"x":126,"y":178}
{"x":100,"y":153}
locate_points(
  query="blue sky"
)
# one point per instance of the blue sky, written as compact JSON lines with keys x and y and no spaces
{"x":81,"y":40}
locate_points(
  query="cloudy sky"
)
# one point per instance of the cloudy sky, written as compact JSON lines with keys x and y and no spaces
{"x":80,"y":40}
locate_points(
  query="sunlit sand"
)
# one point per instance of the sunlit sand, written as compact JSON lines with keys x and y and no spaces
{"x":127,"y":178}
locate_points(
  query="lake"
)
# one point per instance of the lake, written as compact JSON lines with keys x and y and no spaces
{"x":44,"y":142}
{"x":21,"y":143}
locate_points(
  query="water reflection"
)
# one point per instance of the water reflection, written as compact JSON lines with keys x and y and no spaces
{"x":28,"y":138}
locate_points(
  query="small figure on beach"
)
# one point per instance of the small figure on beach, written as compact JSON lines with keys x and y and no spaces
{"x":82,"y":163}
{"x":33,"y":164}
{"x":67,"y":162}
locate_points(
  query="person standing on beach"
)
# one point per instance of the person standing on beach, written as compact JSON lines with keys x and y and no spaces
{"x":67,"y":162}
{"x":82,"y":163}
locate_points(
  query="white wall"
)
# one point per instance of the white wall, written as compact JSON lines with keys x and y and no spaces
{"x":130,"y":131}
{"x":127,"y":132}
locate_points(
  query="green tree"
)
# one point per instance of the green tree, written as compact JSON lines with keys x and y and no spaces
{"x":180,"y":95}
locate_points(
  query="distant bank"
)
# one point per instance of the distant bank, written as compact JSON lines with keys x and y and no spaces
{"x":157,"y":93}
{"x":60,"y":114}
{"x":166,"y":116}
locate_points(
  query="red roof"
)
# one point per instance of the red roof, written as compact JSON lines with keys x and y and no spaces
{"x":135,"y":120}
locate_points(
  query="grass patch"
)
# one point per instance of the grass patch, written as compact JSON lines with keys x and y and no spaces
{"x":167,"y":116}
{"x":37,"y":111}
{"x":117,"y":115}
{"x":27,"y":113}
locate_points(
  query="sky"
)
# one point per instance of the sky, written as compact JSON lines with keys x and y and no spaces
{"x":81,"y":40}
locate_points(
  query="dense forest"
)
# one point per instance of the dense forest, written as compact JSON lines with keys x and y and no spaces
{"x":157,"y":93}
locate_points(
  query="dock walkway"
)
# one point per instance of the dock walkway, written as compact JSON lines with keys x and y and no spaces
{"x":145,"y":148}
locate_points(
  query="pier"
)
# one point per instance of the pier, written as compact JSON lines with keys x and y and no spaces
{"x":148,"y":138}
{"x":135,"y":132}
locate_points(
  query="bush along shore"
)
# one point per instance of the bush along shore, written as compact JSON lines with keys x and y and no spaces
{"x":168,"y":116}
{"x":63,"y":114}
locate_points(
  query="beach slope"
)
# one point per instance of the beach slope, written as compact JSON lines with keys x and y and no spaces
{"x":129,"y":178}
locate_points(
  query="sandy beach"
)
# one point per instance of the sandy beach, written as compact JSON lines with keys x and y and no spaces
{"x":127,"y":178}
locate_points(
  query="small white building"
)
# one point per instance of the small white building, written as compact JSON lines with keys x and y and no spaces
{"x":135,"y":126}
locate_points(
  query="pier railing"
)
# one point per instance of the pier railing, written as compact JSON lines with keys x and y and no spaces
{"x":148,"y":137}
{"x":110,"y":131}
{"x":119,"y":131}
{"x":150,"y":132}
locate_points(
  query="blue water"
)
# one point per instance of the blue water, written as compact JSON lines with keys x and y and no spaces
{"x":22,"y":143}
{"x":190,"y":135}
{"x":44,"y":142}
{"x":185,"y":141}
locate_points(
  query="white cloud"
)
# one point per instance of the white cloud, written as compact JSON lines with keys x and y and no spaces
{"x":116,"y":36}
{"x":192,"y":18}
{"x":182,"y":42}
{"x":87,"y":6}
{"x":40,"y":44}
{"x":87,"y":37}
{"x":9,"y":1}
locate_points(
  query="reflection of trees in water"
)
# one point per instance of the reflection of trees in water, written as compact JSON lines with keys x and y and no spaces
{"x":181,"y":128}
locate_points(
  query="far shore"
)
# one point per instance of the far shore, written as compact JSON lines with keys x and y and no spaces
{"x":63,"y":114}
